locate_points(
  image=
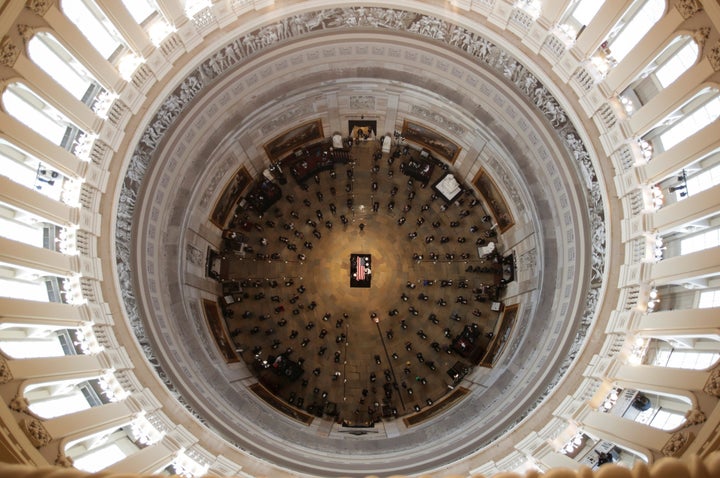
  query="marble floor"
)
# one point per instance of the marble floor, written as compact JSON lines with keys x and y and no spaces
{"x":364,"y":351}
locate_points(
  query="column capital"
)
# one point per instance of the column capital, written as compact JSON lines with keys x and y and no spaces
{"x":677,"y":443}
{"x":40,"y":7}
{"x":35,"y":431}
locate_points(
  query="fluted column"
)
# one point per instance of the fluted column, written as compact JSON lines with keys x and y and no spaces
{"x":73,"y":39}
{"x":131,"y":32}
{"x":57,"y":96}
{"x":50,"y":314}
{"x":692,"y":209}
{"x":670,"y":99}
{"x":646,"y":49}
{"x":681,"y":268}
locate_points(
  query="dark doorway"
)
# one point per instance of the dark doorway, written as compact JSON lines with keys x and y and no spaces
{"x":362,"y":129}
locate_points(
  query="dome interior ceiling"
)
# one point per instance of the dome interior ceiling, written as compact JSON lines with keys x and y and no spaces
{"x":218,"y":118}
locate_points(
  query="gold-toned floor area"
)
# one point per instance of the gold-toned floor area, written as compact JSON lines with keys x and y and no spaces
{"x":296,"y":298}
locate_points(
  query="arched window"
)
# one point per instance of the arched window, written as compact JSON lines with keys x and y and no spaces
{"x":23,"y":341}
{"x":31,"y":110}
{"x":692,"y":122}
{"x":661,"y":72}
{"x":47,"y":52}
{"x":700,"y":241}
{"x":709,"y":299}
{"x":628,"y":32}
{"x":694,"y":353}
{"x":101,"y":33}
{"x":697,"y":113}
{"x":23,"y":168}
{"x":101,"y":450}
{"x":96,"y":27}
{"x":147,"y":15}
{"x":578,"y":16}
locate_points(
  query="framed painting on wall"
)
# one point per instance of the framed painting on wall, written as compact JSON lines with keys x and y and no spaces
{"x":430,"y":139}
{"x":230,"y":196}
{"x":494,"y":199}
{"x":285,"y":143}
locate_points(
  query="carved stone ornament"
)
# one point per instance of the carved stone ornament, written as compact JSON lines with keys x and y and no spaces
{"x":8,"y":52}
{"x":19,"y":404}
{"x":712,"y":386}
{"x":5,"y":373}
{"x":40,"y":7}
{"x":713,"y":56}
{"x":694,"y":417}
{"x":26,"y":32}
{"x":35,"y":431}
{"x":677,"y":443}
{"x":688,"y":8}
{"x":64,"y":461}
{"x":701,"y":35}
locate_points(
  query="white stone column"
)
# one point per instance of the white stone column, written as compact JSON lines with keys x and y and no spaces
{"x":52,"y":154}
{"x":668,"y":380}
{"x":50,"y":314}
{"x":51,"y":369}
{"x":36,"y":203}
{"x":174,"y":11}
{"x":676,"y":270}
{"x":627,"y":434}
{"x":131,"y":32}
{"x":56,"y":263}
{"x":77,"y":44}
{"x":692,"y":209}
{"x":81,"y":424}
{"x":686,"y":152}
{"x":670,"y":99}
{"x":647,"y":48}
{"x":57,"y":96}
{"x":594,"y":34}
{"x":149,"y":460}
{"x":680,"y":323}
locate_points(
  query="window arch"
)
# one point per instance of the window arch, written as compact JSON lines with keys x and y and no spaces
{"x":47,"y":52}
{"x":578,"y":16}
{"x":27,"y":170}
{"x":30,"y":109}
{"x":661,"y":72}
{"x":148,"y":16}
{"x":101,"y":33}
{"x":634,"y":25}
{"x":96,"y":27}
{"x":695,"y":114}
